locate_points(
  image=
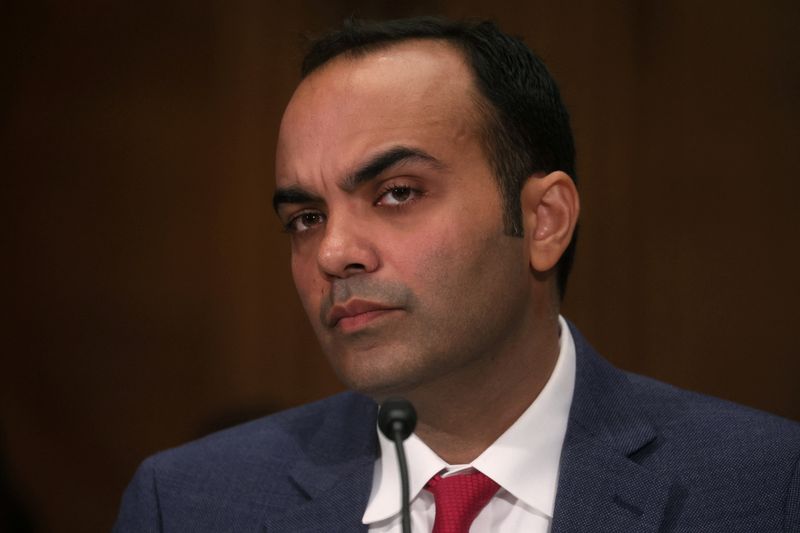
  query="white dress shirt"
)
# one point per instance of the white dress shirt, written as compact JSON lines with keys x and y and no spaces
{"x":524,"y":461}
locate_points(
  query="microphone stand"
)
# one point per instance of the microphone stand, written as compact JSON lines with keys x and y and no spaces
{"x":396,"y":420}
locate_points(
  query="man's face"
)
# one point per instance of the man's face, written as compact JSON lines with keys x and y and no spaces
{"x":398,"y":249}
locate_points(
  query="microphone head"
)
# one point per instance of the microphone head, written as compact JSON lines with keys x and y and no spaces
{"x":397,"y":415}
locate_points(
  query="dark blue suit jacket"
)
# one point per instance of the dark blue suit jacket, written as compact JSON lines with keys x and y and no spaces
{"x":639,"y":456}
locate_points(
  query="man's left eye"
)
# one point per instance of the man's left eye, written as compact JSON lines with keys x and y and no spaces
{"x":397,"y":195}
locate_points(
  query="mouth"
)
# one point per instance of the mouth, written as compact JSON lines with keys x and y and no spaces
{"x":355,"y":315}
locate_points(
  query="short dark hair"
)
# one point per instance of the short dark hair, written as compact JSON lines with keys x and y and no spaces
{"x":526,"y":127}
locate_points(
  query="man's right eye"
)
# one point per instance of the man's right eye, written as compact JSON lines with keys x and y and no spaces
{"x":304,"y":221}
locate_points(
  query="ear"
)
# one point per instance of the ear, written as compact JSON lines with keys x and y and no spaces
{"x":550,"y":207}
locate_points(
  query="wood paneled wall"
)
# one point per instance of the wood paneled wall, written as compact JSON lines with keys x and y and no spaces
{"x":148,"y":282}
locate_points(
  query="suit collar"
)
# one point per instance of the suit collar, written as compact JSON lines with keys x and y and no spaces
{"x":602,"y":486}
{"x":604,"y":403}
{"x":335,"y":471}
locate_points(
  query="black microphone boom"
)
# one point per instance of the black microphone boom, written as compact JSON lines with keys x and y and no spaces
{"x":397,"y":420}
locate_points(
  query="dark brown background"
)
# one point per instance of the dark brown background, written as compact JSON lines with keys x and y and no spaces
{"x":149,"y":298}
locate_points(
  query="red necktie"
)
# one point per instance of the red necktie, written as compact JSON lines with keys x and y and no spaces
{"x":459,"y":499}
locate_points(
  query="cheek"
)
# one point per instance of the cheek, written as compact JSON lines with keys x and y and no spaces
{"x":437,"y":258}
{"x":307,"y":282}
{"x":420,"y":255}
{"x":462,"y":267}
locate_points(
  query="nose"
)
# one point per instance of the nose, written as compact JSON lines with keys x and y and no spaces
{"x":346,"y":248}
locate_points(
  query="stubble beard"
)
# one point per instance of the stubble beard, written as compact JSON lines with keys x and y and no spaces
{"x":413,"y":352}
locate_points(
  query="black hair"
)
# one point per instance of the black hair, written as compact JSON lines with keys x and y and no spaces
{"x":526,"y":125}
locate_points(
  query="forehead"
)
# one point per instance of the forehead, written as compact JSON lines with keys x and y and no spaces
{"x":418,"y":93}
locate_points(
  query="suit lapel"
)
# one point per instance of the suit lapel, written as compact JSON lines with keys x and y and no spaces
{"x":338,"y":508}
{"x":602,"y":486}
{"x":334,"y":476}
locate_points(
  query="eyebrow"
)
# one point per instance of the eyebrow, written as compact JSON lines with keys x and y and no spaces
{"x":366,"y":172}
{"x":384,"y":161}
{"x":293,"y":195}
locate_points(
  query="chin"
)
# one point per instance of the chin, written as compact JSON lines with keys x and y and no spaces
{"x":378,"y":387}
{"x":380,"y":368}
{"x":378,"y":381}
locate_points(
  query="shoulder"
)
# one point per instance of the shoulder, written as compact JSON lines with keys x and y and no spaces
{"x":231,"y":479}
{"x":275,"y":438}
{"x":734,"y":462}
{"x":706,"y":420}
{"x":728,"y":466}
{"x":606,"y":397}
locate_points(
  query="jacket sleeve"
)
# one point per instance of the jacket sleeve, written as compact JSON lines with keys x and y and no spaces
{"x":139,"y":511}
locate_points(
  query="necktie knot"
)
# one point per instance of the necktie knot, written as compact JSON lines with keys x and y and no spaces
{"x":459,"y":499}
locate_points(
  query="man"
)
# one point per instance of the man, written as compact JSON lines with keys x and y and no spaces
{"x":425,"y":177}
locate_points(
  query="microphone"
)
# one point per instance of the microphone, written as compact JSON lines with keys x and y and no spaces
{"x":396,"y":420}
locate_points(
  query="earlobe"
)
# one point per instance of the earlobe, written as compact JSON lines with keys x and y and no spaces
{"x":550,"y":208}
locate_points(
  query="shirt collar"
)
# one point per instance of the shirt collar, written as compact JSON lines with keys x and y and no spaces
{"x":524,"y":460}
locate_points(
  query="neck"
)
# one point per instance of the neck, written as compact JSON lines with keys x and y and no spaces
{"x":460,"y":418}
